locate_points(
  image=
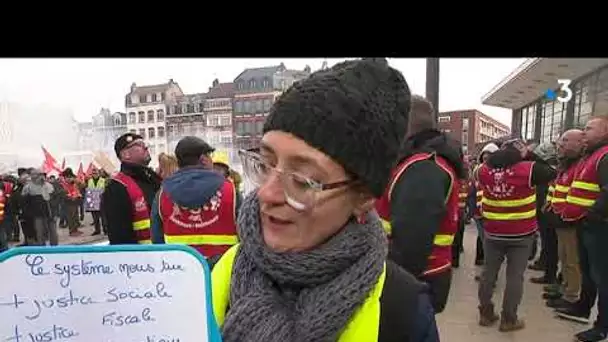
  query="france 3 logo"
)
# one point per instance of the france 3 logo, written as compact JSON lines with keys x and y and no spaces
{"x":563,"y":94}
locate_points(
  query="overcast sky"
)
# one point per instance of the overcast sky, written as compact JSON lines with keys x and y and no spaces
{"x":86,"y":85}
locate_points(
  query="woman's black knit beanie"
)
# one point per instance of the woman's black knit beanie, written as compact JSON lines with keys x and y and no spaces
{"x":356,"y":112}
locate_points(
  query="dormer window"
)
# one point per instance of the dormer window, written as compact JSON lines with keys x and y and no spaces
{"x":252,"y":84}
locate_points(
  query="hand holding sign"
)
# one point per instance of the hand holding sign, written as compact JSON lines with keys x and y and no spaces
{"x":156,"y":293}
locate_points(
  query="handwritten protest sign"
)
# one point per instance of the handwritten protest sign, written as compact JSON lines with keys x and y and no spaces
{"x":158,"y":293}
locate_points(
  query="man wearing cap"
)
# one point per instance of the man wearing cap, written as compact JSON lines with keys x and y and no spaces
{"x":128,"y":196}
{"x":196,"y":206}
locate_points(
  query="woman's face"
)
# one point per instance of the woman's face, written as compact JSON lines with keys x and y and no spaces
{"x":286,"y":228}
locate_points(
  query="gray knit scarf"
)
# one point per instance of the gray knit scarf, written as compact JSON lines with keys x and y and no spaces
{"x":300,"y":297}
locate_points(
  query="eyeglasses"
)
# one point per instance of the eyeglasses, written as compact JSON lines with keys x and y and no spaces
{"x":300,"y":191}
{"x":138,"y":143}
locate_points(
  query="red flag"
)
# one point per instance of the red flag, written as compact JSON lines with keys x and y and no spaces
{"x":90,"y":169}
{"x":80,"y":175}
{"x":50,"y":163}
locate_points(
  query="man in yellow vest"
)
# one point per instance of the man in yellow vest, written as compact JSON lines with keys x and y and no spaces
{"x":93,"y":192}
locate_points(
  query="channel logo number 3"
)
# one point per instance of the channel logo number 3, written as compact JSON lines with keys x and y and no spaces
{"x":565,"y":91}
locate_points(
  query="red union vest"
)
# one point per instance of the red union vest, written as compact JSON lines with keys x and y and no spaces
{"x":140,"y":210}
{"x":509,"y":200}
{"x":463,"y":193}
{"x":71,"y":189}
{"x":5,"y":193}
{"x":561,"y":186}
{"x":584,"y":189}
{"x":440,"y":259}
{"x":478,"y":193}
{"x":210,"y":229}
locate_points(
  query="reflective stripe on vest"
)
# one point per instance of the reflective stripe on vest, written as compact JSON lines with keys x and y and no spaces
{"x":509,"y":199}
{"x":439,"y":240}
{"x":3,"y":196}
{"x":210,"y":229}
{"x":585,"y":189}
{"x":514,"y":203}
{"x":462,"y":199}
{"x":550,"y":192}
{"x":562,"y":186}
{"x":441,"y":255}
{"x":364,"y":325}
{"x":140,"y":210}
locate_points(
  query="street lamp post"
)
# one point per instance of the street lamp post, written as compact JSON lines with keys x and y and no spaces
{"x":432,"y":83}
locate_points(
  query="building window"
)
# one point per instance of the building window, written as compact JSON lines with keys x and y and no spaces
{"x":141,"y":117}
{"x":160,"y":115}
{"x":133,"y":131}
{"x":117,"y":121}
{"x":142,"y":98}
{"x":248,"y":128}
{"x":444,"y":119}
{"x":259,"y":127}
{"x":252,"y":84}
{"x":247,"y":107}
{"x":177,"y":109}
{"x":131,"y":117}
{"x":161,"y":131}
{"x":201,"y":107}
{"x":225,"y":120}
{"x":226,"y":139}
{"x":584,"y":98}
{"x":150,"y":116}
{"x":238,"y":106}
{"x":171,"y":131}
{"x":142,"y":132}
{"x":151,"y":133}
{"x":213,"y":121}
{"x":189,"y":108}
{"x":528,"y":122}
{"x":239,"y":128}
{"x":465,"y":124}
{"x":552,"y":120}
{"x":267,"y":104}
{"x":154,"y":97}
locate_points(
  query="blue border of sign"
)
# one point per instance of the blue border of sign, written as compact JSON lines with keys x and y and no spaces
{"x":213,"y":329}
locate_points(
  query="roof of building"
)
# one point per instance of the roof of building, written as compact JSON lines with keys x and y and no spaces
{"x":250,"y":73}
{"x":146,"y":89}
{"x":535,"y":76}
{"x":221,"y":90}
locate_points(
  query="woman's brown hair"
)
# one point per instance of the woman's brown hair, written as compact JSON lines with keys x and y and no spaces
{"x":167,"y":165}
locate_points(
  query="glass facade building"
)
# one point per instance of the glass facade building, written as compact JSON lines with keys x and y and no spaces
{"x":544,"y":120}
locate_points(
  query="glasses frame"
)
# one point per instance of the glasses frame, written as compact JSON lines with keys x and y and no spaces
{"x":315,"y":185}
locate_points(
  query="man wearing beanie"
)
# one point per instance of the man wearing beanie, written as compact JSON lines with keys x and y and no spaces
{"x":420,"y":206}
{"x":311,"y":262}
{"x":128,"y":196}
{"x":196,"y":206}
